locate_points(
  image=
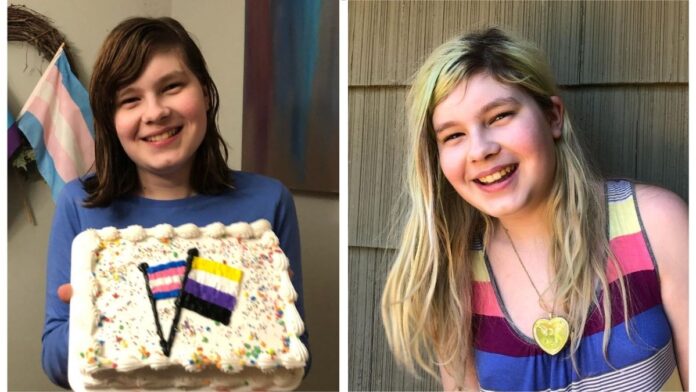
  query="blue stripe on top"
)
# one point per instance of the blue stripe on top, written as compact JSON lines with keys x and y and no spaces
{"x":165,"y":266}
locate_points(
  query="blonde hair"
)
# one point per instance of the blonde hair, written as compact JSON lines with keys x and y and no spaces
{"x":426,"y":305}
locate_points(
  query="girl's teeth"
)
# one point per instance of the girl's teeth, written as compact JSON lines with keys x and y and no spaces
{"x":161,"y":136}
{"x":495,"y":176}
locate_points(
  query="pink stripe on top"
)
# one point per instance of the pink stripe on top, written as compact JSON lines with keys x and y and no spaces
{"x":634,"y":255}
{"x":485,"y":301}
{"x":165,"y":273}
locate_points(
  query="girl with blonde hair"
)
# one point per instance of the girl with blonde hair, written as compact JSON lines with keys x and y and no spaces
{"x":519,"y":268}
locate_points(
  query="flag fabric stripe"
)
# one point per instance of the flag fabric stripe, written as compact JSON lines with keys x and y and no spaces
{"x":205,"y":309}
{"x":218,"y":283}
{"x":176,"y":271}
{"x":166,"y":294}
{"x":78,"y":94}
{"x":50,"y":126}
{"x":209,"y":294}
{"x":165,"y":266}
{"x":57,"y":121}
{"x":162,"y":287}
{"x":44,"y":161}
{"x":216,"y":268}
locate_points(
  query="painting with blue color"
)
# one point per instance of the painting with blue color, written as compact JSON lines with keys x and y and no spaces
{"x":290,"y":120}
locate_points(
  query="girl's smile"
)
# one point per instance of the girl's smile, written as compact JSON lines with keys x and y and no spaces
{"x":496,"y":146}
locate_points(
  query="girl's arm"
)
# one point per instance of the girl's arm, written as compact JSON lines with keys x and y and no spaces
{"x":54,"y":354}
{"x":665,"y":217}
{"x":470,"y":382}
{"x":287,"y":229}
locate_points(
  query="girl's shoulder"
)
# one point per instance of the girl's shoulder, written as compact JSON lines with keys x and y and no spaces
{"x":665,"y":220}
{"x":259,"y":188}
{"x":73,"y":193}
{"x":653,"y":200}
{"x":657,"y":208}
{"x":662,"y":211}
{"x":255,"y":182}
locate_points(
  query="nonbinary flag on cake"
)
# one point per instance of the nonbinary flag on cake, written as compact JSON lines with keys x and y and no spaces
{"x":211,"y":289}
{"x":57,"y":122}
{"x":165,"y":279}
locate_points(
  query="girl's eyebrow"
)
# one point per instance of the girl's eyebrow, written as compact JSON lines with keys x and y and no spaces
{"x":486,"y":108}
{"x":160,"y":80}
{"x":498,"y":102}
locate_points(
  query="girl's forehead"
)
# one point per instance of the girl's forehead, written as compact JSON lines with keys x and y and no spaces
{"x":159,"y":64}
{"x":473,"y":95}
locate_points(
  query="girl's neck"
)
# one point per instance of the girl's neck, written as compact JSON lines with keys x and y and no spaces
{"x":170,"y":187}
{"x":532,"y":228}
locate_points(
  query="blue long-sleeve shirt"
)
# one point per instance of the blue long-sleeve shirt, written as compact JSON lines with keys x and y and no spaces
{"x":253,"y":197}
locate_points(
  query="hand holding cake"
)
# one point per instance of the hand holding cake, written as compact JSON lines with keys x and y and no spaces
{"x":65,"y":292}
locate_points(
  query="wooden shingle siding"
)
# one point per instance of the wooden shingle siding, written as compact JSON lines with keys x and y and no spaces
{"x":635,"y":131}
{"x":622,"y":68}
{"x":635,"y":42}
{"x":377,"y":151}
{"x":588,"y":42}
{"x":372,"y":367}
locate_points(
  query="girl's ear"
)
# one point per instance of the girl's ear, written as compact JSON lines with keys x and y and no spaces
{"x":556,"y":116}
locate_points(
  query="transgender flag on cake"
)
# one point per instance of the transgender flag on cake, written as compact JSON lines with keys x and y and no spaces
{"x":165,"y":279}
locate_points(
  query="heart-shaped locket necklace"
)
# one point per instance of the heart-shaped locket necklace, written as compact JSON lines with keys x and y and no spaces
{"x":550,"y":334}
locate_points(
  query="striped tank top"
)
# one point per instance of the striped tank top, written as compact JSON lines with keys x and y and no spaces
{"x":642,"y":360}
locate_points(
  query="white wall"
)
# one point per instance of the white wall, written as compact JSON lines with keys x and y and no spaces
{"x":218,"y":28}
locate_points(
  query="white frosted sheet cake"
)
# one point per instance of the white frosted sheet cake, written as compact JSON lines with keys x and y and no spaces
{"x":186,"y":307}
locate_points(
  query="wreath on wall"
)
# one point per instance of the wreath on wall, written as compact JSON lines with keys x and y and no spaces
{"x":27,"y":25}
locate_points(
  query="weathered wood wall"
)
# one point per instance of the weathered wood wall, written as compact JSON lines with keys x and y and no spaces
{"x":623,"y":71}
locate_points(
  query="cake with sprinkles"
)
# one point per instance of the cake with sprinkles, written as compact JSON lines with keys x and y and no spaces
{"x":187,"y":307}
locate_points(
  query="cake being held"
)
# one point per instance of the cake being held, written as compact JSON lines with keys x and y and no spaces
{"x":184,"y":307}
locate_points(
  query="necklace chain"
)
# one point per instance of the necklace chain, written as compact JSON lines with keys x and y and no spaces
{"x":514,"y":249}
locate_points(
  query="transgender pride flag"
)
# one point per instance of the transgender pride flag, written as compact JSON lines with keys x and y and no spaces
{"x":57,"y":121}
{"x":211,"y":289}
{"x":165,"y":279}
